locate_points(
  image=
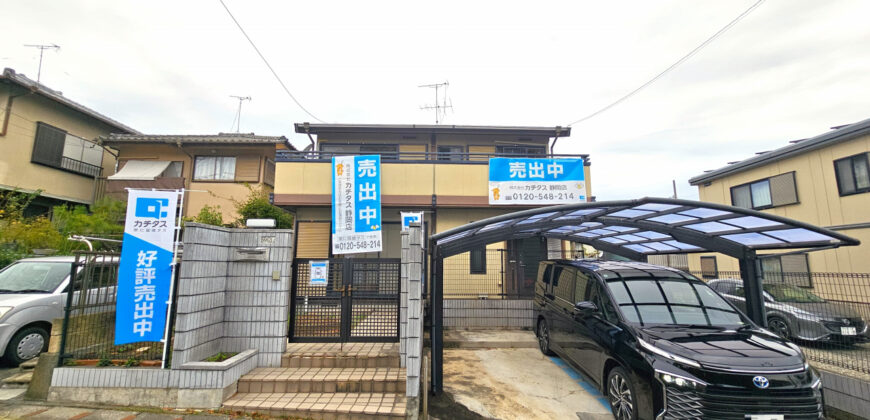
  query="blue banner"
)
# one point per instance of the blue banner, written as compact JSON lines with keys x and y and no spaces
{"x":510,"y":169}
{"x":526,"y":181}
{"x":356,"y":204}
{"x":145,"y":273}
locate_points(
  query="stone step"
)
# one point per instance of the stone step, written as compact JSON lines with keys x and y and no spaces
{"x":28,"y":364}
{"x":320,"y":406}
{"x":338,"y":380}
{"x":341,"y":355}
{"x":19,"y":380}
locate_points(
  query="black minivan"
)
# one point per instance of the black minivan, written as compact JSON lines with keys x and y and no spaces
{"x":661,"y":344}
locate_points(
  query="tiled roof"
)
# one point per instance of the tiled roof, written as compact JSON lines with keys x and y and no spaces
{"x":221,"y":138}
{"x":39,"y":88}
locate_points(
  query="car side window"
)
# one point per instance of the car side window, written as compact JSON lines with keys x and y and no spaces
{"x":581,"y":287}
{"x":563,"y":283}
{"x":605,"y":306}
{"x":547,"y":271}
{"x":738,"y":291}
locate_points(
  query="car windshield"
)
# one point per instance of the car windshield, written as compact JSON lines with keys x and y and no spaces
{"x":672,"y":301}
{"x":33,"y":276}
{"x":791,"y":294}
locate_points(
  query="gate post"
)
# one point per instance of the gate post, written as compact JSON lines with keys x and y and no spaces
{"x":752,"y":282}
{"x":437,"y":304}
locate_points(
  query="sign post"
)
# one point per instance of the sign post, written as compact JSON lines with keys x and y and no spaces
{"x":536,"y":181}
{"x":414,"y":217}
{"x":147,"y":266}
{"x":356,"y":204}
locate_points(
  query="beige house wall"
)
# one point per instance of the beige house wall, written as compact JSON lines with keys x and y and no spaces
{"x":214,"y":193}
{"x":819,"y":204}
{"x":16,"y":170}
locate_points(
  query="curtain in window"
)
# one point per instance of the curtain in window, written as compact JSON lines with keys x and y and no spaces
{"x":844,"y":174}
{"x":226,"y":168}
{"x":204,"y":167}
{"x":740,"y":197}
{"x":862,"y":173}
{"x":761,"y":194}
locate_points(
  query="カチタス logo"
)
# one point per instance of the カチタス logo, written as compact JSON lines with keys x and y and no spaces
{"x":761,"y":382}
{"x":152,"y":207}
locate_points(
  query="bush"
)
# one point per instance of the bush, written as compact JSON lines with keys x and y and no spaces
{"x":257,"y":206}
{"x":209,"y":215}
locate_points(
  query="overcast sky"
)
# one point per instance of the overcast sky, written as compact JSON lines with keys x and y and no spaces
{"x":791,"y":69}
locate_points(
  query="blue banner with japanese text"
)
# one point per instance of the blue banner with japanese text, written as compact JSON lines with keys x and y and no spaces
{"x":145,"y":273}
{"x":356,"y":204}
{"x":528,"y":181}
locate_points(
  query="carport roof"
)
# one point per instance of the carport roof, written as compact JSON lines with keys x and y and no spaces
{"x":647,"y":226}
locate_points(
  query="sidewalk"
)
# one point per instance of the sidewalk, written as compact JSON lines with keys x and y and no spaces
{"x":13,"y":406}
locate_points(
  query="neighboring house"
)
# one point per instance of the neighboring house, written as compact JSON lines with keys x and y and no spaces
{"x":441,"y":170}
{"x":823,"y":180}
{"x":215,"y":168}
{"x":47,"y":144}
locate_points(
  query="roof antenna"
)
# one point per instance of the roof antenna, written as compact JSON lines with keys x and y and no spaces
{"x":441,"y":102}
{"x":237,"y":120}
{"x":42,"y":48}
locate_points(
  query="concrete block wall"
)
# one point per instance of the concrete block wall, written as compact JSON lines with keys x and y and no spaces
{"x":411,"y":326}
{"x":488,"y":313}
{"x":201,"y":286}
{"x":257,"y":303}
{"x":851,"y":395}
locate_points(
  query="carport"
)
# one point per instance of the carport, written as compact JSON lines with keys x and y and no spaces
{"x":635,"y":229}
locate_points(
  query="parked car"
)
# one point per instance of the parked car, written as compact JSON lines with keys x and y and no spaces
{"x":32,"y":294}
{"x":661,"y":344}
{"x":797,"y":313}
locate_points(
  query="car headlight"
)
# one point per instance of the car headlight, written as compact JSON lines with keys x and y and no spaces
{"x":680,"y":381}
{"x":655,"y":350}
{"x":807,"y":316}
{"x":817,"y":384}
{"x":4,"y":310}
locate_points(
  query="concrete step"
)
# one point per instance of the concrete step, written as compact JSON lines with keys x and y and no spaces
{"x":320,"y":406}
{"x":19,"y":380}
{"x":341,"y":355}
{"x":338,"y":380}
{"x":28,"y":364}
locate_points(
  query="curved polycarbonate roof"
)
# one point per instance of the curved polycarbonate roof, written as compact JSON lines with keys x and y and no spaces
{"x":647,"y":226}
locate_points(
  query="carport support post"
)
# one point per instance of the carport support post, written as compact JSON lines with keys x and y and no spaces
{"x":436,"y":331}
{"x":752,"y":275}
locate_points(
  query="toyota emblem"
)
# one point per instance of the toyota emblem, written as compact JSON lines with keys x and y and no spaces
{"x":761,"y":382}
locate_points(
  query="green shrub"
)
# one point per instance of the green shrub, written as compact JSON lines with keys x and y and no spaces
{"x":257,"y":206}
{"x":209,"y":215}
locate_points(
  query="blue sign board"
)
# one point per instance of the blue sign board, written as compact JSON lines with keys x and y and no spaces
{"x":145,"y":273}
{"x":356,"y":204}
{"x":528,"y":181}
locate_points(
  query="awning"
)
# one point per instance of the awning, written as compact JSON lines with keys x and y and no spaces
{"x":140,"y":170}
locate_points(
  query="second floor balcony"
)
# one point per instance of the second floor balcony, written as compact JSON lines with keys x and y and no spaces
{"x":439,"y":157}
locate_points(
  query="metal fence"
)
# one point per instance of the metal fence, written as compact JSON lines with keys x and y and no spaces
{"x":825,"y":313}
{"x":487,"y":274}
{"x":88,"y":333}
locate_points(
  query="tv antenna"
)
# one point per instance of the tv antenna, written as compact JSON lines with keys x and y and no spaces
{"x":42,"y":48}
{"x":441,"y":101}
{"x":237,"y":120}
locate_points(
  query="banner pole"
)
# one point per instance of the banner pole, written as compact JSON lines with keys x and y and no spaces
{"x":170,"y":302}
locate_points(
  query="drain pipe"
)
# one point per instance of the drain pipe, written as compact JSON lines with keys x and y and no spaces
{"x":555,"y":139}
{"x":307,"y":126}
{"x":7,"y":114}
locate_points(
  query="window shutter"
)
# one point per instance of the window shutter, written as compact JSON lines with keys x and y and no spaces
{"x":248,"y":168}
{"x":48,"y":146}
{"x":796,"y":270}
{"x":313,"y":240}
{"x":708,"y":267}
{"x":783,"y":189}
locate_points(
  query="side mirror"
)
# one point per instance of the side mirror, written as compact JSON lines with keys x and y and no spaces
{"x":585,"y":307}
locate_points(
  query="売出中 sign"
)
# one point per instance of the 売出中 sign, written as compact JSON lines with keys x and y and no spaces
{"x":536,"y":181}
{"x":356,"y":204}
{"x":145,"y":273}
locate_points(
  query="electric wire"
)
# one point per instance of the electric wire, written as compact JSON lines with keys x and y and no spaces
{"x":676,"y":64}
{"x":281,"y":82}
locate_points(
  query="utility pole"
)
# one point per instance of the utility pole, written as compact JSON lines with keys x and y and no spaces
{"x":42,"y":48}
{"x":440,"y":106}
{"x":237,"y":121}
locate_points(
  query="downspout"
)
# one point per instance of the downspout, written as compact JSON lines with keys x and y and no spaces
{"x":7,"y":114}
{"x":313,"y":145}
{"x":555,"y":139}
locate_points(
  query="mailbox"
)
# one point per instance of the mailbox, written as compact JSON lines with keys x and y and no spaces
{"x":259,"y":253}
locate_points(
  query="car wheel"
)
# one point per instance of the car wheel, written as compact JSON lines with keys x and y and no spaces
{"x":26,"y":344}
{"x":779,"y":327}
{"x":543,"y":333}
{"x":621,"y":395}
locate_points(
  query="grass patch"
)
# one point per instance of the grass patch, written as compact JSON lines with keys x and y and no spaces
{"x":220,"y":357}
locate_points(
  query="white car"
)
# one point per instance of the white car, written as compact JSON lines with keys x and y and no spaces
{"x":32,"y":294}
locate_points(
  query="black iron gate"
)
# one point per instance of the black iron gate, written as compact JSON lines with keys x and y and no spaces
{"x":360,"y":301}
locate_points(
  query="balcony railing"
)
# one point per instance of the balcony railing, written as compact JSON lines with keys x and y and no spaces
{"x":80,"y":167}
{"x":416,"y":157}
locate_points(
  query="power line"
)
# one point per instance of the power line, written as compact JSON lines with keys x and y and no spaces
{"x":267,"y":62}
{"x":673,"y":66}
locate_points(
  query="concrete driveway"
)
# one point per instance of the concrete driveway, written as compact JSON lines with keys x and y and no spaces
{"x":520,"y":383}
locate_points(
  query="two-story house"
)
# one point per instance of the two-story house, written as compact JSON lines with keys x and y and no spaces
{"x":216,"y":169}
{"x":822,"y":180}
{"x":441,"y":170}
{"x":47,"y":144}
